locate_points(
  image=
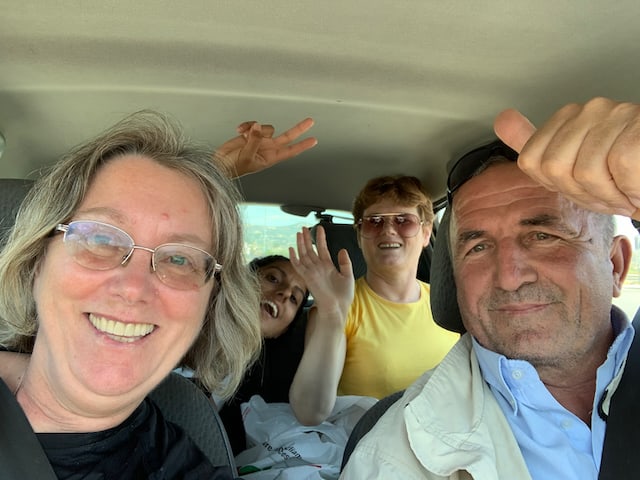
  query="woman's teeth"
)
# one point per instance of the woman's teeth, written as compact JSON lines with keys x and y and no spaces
{"x":270,"y":307}
{"x":120,"y":331}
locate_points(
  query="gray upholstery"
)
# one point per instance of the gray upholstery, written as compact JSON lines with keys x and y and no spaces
{"x":184,"y":404}
{"x":180,"y":400}
{"x":444,"y":302}
{"x":12,"y":192}
{"x":339,"y":236}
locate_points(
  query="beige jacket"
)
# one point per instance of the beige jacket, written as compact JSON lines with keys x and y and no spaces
{"x":447,"y":425}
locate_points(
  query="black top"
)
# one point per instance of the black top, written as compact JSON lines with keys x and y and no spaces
{"x":270,"y":377}
{"x":145,"y":446}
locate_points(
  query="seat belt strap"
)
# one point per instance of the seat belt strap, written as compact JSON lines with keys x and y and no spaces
{"x":21,"y":455}
{"x":622,"y":437}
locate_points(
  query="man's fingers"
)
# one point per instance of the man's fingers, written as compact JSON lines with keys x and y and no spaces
{"x":254,"y":138}
{"x":294,"y":132}
{"x":245,"y":126}
{"x":586,"y":152}
{"x":267,"y":131}
{"x":290,"y":151}
{"x":230,"y":145}
{"x":513,"y":128}
{"x":253,"y":128}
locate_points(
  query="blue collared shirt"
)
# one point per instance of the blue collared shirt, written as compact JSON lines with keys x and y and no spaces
{"x":554,"y":442}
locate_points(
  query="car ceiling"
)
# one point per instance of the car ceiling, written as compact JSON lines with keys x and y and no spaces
{"x":393,"y":86}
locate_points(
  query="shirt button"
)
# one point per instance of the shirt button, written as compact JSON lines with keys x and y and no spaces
{"x":566,"y":424}
{"x":516,"y":374}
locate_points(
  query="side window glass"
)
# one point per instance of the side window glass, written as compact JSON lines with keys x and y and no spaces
{"x":268,"y":230}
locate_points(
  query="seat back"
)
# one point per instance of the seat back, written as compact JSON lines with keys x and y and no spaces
{"x":339,"y":236}
{"x":183,"y":403}
{"x":366,"y":423}
{"x":179,"y":399}
{"x":12,"y":192}
{"x":444,"y":302}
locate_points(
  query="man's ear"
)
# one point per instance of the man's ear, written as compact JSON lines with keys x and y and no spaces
{"x":620,"y":255}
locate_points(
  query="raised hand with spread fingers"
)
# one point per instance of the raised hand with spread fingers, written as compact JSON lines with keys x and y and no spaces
{"x":314,"y":388}
{"x":255,"y":148}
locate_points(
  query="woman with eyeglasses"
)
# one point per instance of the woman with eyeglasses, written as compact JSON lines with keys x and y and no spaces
{"x":383,"y":340}
{"x":126,"y":260}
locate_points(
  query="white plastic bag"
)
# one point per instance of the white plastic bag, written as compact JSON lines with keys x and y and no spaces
{"x":281,"y":448}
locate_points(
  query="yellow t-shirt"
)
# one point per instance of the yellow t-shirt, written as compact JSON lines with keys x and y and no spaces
{"x":389,"y":345}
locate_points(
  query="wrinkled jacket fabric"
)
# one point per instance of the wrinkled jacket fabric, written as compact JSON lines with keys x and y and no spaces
{"x":447,"y":425}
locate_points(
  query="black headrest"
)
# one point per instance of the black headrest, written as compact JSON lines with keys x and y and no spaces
{"x":12,"y":192}
{"x":444,"y":301}
{"x":339,"y":236}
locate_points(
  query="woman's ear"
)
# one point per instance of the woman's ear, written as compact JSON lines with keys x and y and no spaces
{"x":427,"y":228}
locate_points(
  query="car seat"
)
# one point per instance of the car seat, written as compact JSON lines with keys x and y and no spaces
{"x":185,"y":404}
{"x":444,"y":301}
{"x":339,"y":236}
{"x":12,"y":191}
{"x":179,"y":399}
{"x":366,"y":422}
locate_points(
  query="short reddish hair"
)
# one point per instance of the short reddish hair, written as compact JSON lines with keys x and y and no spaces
{"x":401,"y":189}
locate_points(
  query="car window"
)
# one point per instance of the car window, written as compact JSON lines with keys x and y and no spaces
{"x":268,"y":230}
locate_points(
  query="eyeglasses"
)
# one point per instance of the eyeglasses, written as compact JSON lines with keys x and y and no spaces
{"x":470,"y":163}
{"x":100,"y":246}
{"x":406,"y":224}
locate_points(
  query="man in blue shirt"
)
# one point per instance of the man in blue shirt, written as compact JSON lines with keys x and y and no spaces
{"x":526,"y":392}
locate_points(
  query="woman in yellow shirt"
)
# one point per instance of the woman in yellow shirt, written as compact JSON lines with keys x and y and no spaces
{"x":378,"y":336}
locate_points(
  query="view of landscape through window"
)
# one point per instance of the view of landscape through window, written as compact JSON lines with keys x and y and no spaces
{"x":269,"y":230}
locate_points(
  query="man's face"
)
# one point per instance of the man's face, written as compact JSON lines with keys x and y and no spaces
{"x":533,"y":272}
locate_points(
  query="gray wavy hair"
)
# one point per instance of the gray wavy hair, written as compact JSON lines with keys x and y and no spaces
{"x":230,"y":336}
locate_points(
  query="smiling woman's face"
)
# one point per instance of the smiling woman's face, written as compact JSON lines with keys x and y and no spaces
{"x":118,"y":331}
{"x":283,"y":291}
